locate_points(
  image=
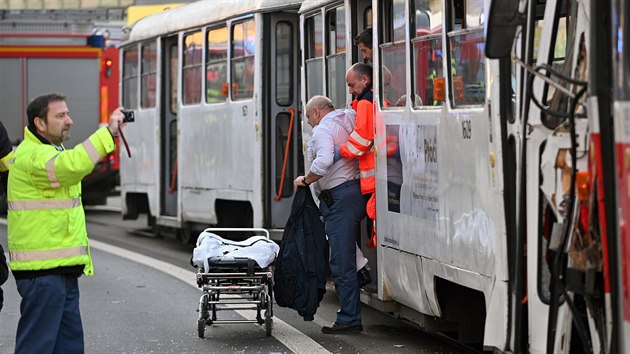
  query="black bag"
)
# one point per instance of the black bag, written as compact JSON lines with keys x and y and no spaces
{"x":4,"y":273}
{"x":301,"y":268}
{"x":4,"y":269}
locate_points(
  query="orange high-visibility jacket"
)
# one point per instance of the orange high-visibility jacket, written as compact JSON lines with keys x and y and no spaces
{"x":361,"y":140}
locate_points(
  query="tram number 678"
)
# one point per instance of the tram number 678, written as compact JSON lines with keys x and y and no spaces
{"x":466,"y":129}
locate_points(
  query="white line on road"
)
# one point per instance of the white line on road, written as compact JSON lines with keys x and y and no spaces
{"x":293,"y":339}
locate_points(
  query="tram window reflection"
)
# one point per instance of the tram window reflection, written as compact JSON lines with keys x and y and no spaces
{"x":314,"y":56}
{"x":336,"y":57}
{"x":284,"y":63}
{"x":427,"y":65}
{"x":191,"y":75}
{"x":393,"y":74}
{"x":466,"y":44}
{"x":243,"y":50}
{"x":130,"y":78}
{"x":148,"y":73}
{"x":216,"y":65}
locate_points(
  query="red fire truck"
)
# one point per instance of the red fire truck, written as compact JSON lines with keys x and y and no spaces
{"x":79,"y":65}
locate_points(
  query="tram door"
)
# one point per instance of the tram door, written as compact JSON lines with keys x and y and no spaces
{"x":281,"y":120}
{"x":168,"y":128}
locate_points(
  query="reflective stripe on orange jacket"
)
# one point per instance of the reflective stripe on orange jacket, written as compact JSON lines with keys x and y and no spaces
{"x":361,"y":141}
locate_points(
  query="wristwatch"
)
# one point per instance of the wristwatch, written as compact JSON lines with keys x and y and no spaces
{"x":304,"y":181}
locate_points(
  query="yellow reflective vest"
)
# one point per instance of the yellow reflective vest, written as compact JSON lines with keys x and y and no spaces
{"x":46,"y":221}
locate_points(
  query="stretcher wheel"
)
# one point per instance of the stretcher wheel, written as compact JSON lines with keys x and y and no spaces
{"x":204,"y":307}
{"x":201,"y":327}
{"x":268,"y":323}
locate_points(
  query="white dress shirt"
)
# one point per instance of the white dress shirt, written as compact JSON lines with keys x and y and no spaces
{"x":333,"y":129}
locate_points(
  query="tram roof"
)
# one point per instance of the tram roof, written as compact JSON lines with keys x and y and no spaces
{"x":308,"y":5}
{"x":200,"y":13}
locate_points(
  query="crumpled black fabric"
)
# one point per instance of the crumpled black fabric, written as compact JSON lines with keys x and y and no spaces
{"x":4,"y":273}
{"x":301,"y":268}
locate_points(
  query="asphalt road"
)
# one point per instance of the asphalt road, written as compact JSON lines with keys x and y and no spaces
{"x":143,"y":299}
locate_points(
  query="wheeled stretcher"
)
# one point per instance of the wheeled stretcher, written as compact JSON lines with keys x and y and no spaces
{"x":234,"y":276}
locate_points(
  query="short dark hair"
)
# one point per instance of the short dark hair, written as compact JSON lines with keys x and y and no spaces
{"x":362,"y":69}
{"x":364,"y":37}
{"x":38,"y":107}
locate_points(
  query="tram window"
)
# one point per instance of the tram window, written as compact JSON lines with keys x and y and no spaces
{"x":427,"y":53}
{"x":314,"y":56}
{"x":130,"y":78}
{"x":284,"y":63}
{"x":336,"y":56}
{"x":216,"y":65}
{"x":393,"y":75}
{"x":556,"y":100}
{"x":367,"y":18}
{"x":148,"y":71}
{"x":191,"y":68}
{"x":172,"y":77}
{"x":466,"y":42}
{"x":243,"y":49}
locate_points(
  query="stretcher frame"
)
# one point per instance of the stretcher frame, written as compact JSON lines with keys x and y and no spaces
{"x":235,"y":284}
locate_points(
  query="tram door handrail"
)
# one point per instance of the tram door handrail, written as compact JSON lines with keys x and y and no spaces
{"x":286,"y":155}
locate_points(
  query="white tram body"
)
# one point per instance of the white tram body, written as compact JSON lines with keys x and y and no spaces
{"x":441,"y":230}
{"x":440,"y":218}
{"x":214,"y":87}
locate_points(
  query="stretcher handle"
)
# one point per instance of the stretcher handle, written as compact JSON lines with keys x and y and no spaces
{"x":238,"y":229}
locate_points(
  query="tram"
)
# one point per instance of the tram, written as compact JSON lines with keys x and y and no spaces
{"x":214,"y":86}
{"x":563,"y":99}
{"x":501,"y":154}
{"x":477,"y":234}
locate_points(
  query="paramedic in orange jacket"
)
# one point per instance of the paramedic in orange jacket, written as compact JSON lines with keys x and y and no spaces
{"x":361,"y":140}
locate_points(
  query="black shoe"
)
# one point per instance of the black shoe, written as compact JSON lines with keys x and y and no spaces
{"x":337,"y":328}
{"x":364,"y":277}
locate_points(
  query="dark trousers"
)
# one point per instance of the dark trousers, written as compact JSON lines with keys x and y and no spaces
{"x":50,"y":320}
{"x":342,"y":220}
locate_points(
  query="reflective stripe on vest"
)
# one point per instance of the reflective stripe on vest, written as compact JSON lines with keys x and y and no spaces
{"x":361,"y":140}
{"x":48,"y":254}
{"x":91,"y":150}
{"x":44,"y":204}
{"x":50,"y":170}
{"x":354,"y":150}
{"x":367,"y":174}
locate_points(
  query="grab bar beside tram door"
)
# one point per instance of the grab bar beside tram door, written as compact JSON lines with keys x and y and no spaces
{"x":286,"y":155}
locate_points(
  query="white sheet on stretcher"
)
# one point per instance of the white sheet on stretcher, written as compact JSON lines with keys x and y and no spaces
{"x":258,"y":248}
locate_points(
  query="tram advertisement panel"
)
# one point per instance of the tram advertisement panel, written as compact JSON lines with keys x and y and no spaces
{"x":420,"y":176}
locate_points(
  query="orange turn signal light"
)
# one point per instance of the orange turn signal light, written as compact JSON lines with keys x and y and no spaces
{"x":582,"y":179}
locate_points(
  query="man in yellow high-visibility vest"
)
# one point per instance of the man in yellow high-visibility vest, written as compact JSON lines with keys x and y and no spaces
{"x":47,"y":237}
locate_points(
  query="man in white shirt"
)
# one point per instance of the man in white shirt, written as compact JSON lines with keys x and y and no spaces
{"x":341,"y":204}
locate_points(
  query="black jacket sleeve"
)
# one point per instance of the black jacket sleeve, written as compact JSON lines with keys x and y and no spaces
{"x":5,"y":148}
{"x":5,"y":143}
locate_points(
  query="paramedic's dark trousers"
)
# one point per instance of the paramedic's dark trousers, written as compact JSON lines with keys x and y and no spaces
{"x":342,"y":220}
{"x":50,"y":320}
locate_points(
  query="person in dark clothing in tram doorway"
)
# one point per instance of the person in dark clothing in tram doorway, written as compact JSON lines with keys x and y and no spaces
{"x":364,"y":42}
{"x":341,"y":204}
